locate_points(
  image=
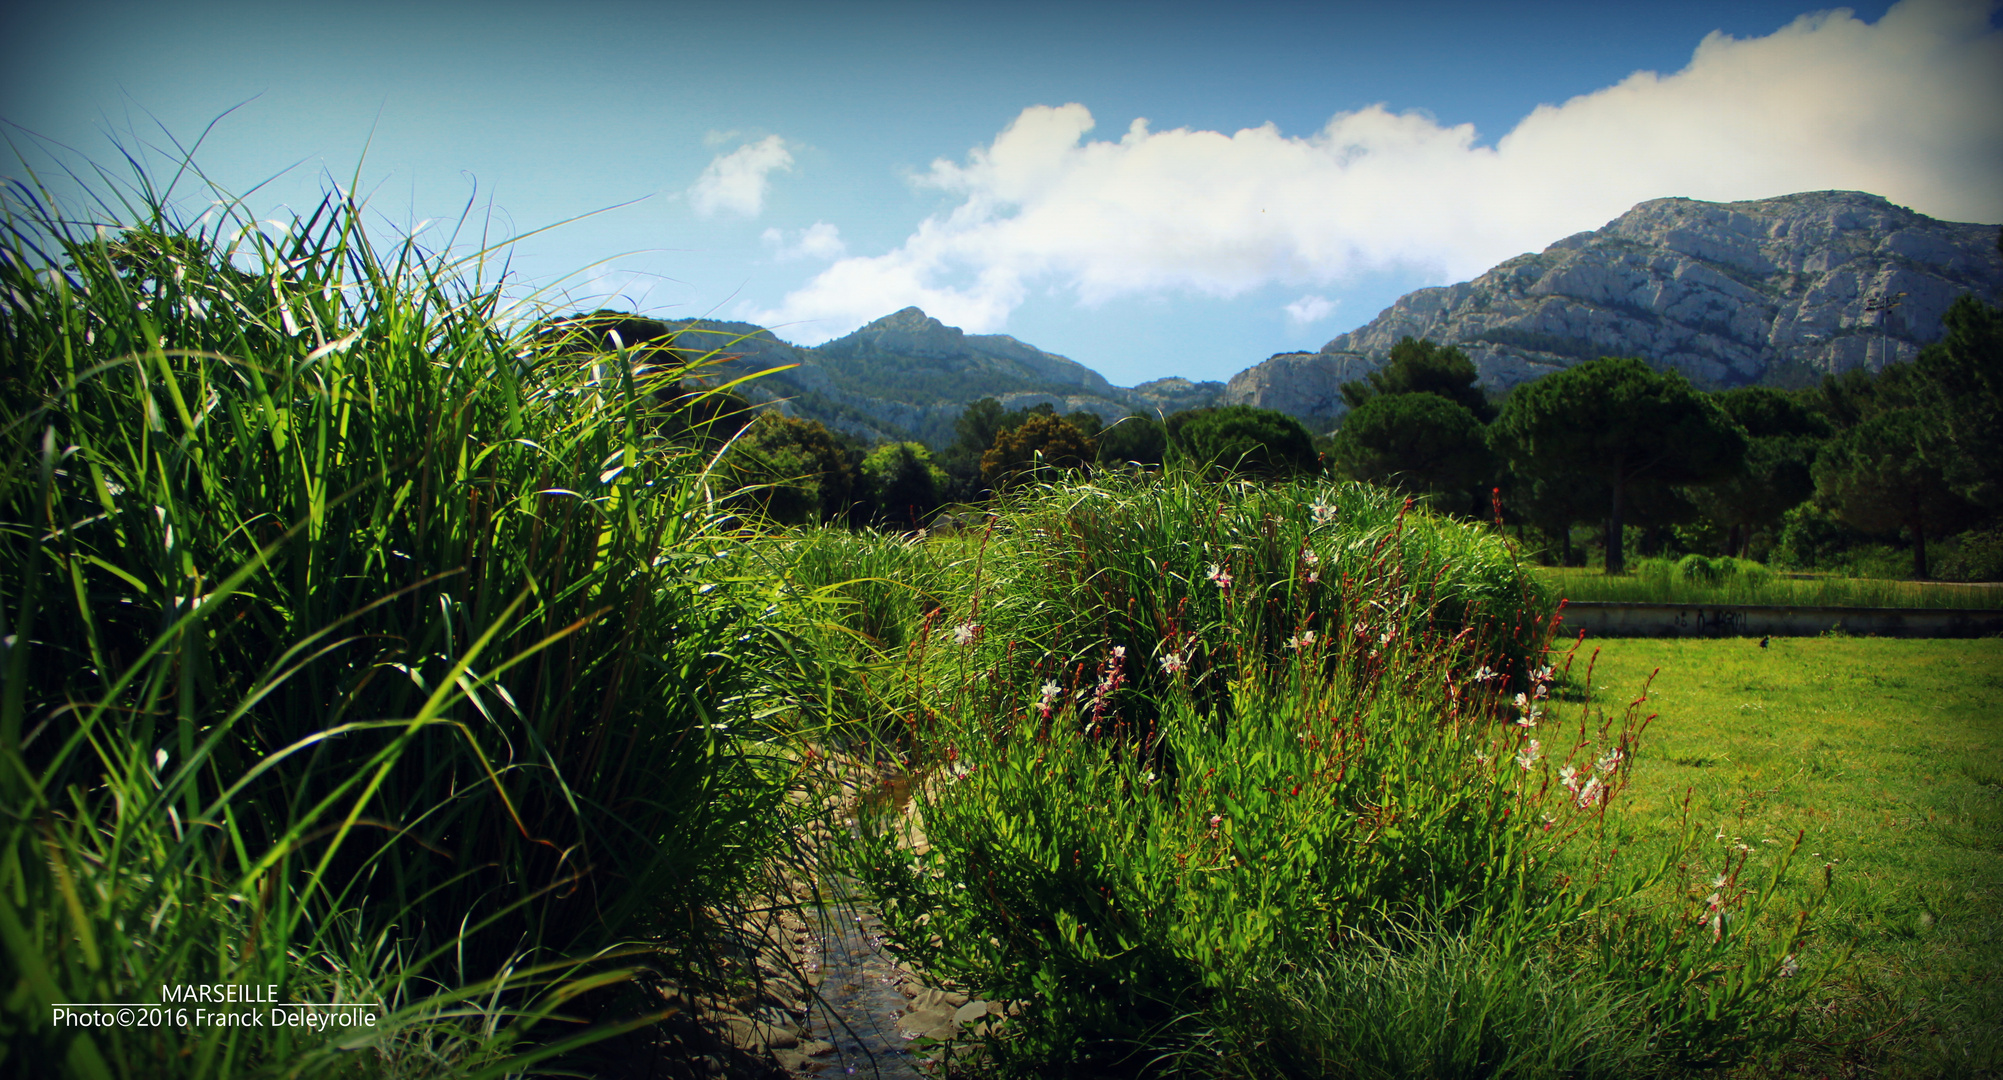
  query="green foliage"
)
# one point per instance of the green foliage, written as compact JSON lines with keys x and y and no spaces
{"x":1244,"y":440}
{"x":1136,"y":439}
{"x":1417,"y":441}
{"x":1621,"y":424}
{"x":1965,"y":371}
{"x":1889,"y":473}
{"x":1188,"y":750}
{"x":792,"y":470}
{"x":357,"y":646}
{"x":1039,"y":443}
{"x":1417,"y":366}
{"x":1723,"y":569}
{"x":903,"y":483}
{"x":1976,"y":555}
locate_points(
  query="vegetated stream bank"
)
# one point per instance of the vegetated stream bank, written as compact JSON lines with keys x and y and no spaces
{"x":866,"y":1013}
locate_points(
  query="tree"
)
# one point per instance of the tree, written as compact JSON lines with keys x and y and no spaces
{"x":1041,"y":441}
{"x":1963,"y":373}
{"x":1243,"y":439}
{"x":1618,"y":422}
{"x":1137,"y":439}
{"x":1418,"y":366}
{"x":1422,"y":442}
{"x":1887,"y":474}
{"x":1783,"y":437}
{"x":796,"y":470}
{"x":901,"y":479}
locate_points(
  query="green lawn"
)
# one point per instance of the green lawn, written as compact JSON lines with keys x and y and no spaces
{"x":1889,"y":755}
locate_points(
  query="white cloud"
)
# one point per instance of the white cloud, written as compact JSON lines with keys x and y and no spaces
{"x":736,"y":182}
{"x":1310,"y":309}
{"x":1904,"y":108}
{"x":820,"y":241}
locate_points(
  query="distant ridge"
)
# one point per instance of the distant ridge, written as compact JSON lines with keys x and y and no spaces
{"x":908,"y":376}
{"x":1775,"y":291}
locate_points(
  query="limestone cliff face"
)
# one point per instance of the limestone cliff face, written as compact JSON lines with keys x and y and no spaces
{"x":1777,"y":291}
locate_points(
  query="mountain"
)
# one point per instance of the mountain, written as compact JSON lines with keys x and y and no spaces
{"x":1773,"y":291}
{"x":908,"y":376}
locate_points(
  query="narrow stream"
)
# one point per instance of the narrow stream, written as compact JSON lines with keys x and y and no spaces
{"x":860,"y":1002}
{"x":859,"y":997}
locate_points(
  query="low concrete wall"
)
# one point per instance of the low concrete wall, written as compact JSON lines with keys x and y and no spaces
{"x":1601,"y":619}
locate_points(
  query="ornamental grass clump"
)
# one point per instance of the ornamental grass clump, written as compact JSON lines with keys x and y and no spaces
{"x":1216,"y":752}
{"x":353,"y":645}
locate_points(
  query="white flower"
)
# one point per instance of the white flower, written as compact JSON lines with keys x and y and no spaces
{"x":1323,"y":513}
{"x":1788,"y":968}
{"x":1303,"y":640}
{"x":965,"y":633}
{"x":1569,"y":777}
{"x":1608,"y":761}
{"x":1220,"y":576}
{"x":1216,"y":820}
{"x":1530,"y":755}
{"x":1119,"y":652}
{"x":1171,"y":663}
{"x":1483,"y":673}
{"x":1592,"y":792}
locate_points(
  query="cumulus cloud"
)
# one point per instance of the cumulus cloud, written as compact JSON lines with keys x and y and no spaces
{"x":1310,"y":309}
{"x":817,"y":241}
{"x":736,"y":182}
{"x":1904,"y":108}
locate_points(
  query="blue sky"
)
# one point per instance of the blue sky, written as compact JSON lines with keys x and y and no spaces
{"x":811,"y":166}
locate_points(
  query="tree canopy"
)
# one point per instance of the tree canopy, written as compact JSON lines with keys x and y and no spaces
{"x":1783,"y":436}
{"x":1888,"y":473}
{"x":1245,"y":440}
{"x":1964,"y":369}
{"x":901,"y":479}
{"x":1620,"y":423}
{"x":1421,"y":442}
{"x":1418,"y":366}
{"x":794,"y":471}
{"x":1040,"y":441}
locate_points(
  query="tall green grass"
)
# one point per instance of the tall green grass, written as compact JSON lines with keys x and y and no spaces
{"x":353,"y":645}
{"x":1696,"y":580}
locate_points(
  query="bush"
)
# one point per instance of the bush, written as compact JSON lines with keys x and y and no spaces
{"x":1186,"y":750}
{"x":1976,"y":555}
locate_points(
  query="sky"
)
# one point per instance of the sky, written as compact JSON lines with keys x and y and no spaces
{"x":1151,"y":189}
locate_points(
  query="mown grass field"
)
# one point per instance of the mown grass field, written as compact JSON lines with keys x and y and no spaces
{"x":1888,"y":755}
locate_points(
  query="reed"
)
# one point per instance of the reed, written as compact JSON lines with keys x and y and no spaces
{"x":356,"y":645}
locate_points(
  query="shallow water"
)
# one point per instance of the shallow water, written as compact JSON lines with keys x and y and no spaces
{"x":859,"y":1000}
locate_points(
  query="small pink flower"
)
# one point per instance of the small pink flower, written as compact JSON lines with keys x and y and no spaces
{"x":1220,"y":576}
{"x":965,"y":633}
{"x":1172,"y":663}
{"x":1216,"y":820}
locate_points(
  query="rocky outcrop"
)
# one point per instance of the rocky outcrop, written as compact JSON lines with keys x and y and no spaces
{"x":1774,"y":291}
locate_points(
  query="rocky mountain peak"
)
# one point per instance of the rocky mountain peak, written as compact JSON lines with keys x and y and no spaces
{"x":908,"y":332}
{"x":1777,"y":291}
